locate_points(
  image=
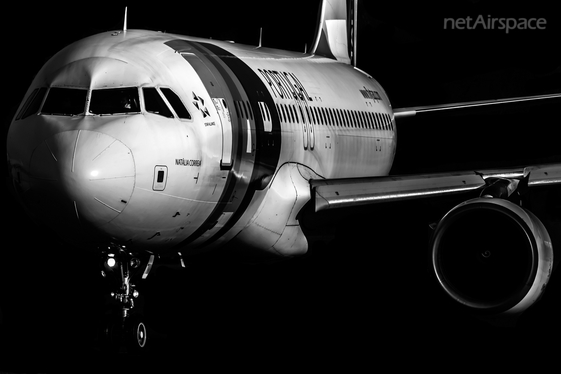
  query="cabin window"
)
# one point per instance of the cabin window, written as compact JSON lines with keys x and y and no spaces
{"x":282,"y":112}
{"x":114,"y":101}
{"x":301,"y":114}
{"x":65,"y":101}
{"x":33,"y":103}
{"x":316,"y":116}
{"x":278,"y":111}
{"x":238,"y":113}
{"x":250,"y":110}
{"x":176,"y":103}
{"x":267,"y":114}
{"x":243,"y":110}
{"x":292,"y":113}
{"x":337,"y":117}
{"x":154,"y":103}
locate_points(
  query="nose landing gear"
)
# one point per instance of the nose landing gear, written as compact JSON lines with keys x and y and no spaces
{"x":123,"y":325}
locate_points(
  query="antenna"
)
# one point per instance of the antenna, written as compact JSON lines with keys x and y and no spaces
{"x":354,"y":30}
{"x":260,"y":36}
{"x":125,"y":21}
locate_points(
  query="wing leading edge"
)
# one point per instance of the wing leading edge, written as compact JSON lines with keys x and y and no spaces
{"x":348,"y":192}
{"x":413,"y":111}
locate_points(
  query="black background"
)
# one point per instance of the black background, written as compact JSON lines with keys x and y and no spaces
{"x":364,"y":300}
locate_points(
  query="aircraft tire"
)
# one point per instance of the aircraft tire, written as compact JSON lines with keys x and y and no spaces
{"x":136,"y":335}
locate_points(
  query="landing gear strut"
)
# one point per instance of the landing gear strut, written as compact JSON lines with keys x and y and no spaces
{"x":124,"y":325}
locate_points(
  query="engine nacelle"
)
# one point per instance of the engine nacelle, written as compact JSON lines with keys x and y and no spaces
{"x":492,"y":256}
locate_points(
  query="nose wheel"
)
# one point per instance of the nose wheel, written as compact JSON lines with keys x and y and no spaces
{"x":140,"y":335}
{"x":123,"y":328}
{"x":124,"y":336}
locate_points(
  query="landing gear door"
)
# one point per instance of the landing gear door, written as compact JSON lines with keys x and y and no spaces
{"x":226,"y":126}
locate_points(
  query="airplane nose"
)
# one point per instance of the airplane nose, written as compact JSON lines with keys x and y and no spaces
{"x":91,"y":177}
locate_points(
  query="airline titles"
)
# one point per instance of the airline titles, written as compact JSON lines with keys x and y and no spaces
{"x":285,"y":85}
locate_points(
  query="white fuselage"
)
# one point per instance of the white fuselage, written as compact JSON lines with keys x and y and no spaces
{"x":194,"y":172}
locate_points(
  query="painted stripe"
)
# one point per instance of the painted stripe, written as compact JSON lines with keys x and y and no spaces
{"x":238,"y":83}
{"x":218,"y":82}
{"x":267,"y":145}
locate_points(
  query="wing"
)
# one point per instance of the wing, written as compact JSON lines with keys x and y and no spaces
{"x":337,"y":193}
{"x":413,"y":111}
{"x":347,"y":192}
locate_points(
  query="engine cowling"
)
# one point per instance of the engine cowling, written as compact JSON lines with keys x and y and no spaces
{"x":492,"y":256}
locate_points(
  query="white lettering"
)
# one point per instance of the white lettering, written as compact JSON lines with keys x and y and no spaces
{"x":507,"y":24}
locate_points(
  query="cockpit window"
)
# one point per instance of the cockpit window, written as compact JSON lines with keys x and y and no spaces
{"x":32,"y":103}
{"x":154,"y":103}
{"x":176,"y":103}
{"x":115,"y":101}
{"x":65,"y":101}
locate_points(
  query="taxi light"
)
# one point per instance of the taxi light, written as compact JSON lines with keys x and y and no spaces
{"x":111,"y":261}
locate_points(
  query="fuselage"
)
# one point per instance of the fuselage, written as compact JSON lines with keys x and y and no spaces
{"x":165,"y":142}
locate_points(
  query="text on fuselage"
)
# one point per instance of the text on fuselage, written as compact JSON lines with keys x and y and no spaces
{"x":285,"y":85}
{"x":186,"y":162}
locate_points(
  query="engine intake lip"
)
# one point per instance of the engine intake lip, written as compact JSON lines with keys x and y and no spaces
{"x":485,"y":256}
